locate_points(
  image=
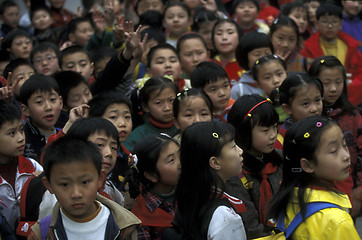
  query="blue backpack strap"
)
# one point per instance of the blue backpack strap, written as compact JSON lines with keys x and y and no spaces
{"x":44,"y":224}
{"x":311,"y":209}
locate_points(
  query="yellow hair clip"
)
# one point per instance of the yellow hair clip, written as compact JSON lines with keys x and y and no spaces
{"x":322,"y":61}
{"x":306,"y":135}
{"x":170,"y":77}
{"x":215,"y":135}
{"x":139,"y":83}
{"x":268,"y":99}
{"x":249,"y":115}
{"x":257,"y":62}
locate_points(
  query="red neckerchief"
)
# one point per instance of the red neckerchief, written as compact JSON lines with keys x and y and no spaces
{"x":158,"y":124}
{"x":238,"y":205}
{"x":180,"y":83}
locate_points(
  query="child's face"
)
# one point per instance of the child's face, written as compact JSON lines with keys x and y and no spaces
{"x":169,"y":168}
{"x":46,"y":62}
{"x":75,"y":185}
{"x":312,"y":9}
{"x":329,"y":26}
{"x":21,"y":47}
{"x":257,"y":53}
{"x":352,"y":7}
{"x":11,"y":16}
{"x":57,"y":4}
{"x":165,"y":62}
{"x":99,"y":66}
{"x":219,"y":92}
{"x":176,"y":21}
{"x":193,"y":109}
{"x":42,"y":20}
{"x":12,"y":140}
{"x":306,"y":102}
{"x":226,"y":39}
{"x":299,"y":15}
{"x":113,"y":6}
{"x":192,"y":52}
{"x":120,"y":115}
{"x":82,"y":34}
{"x":270,"y":76}
{"x":332,"y":79}
{"x":43,"y":109}
{"x":145,"y":5}
{"x":246,"y":12}
{"x":263,"y":139}
{"x":284,"y":39}
{"x":333,"y":159}
{"x":205,"y":31}
{"x":78,"y":96}
{"x":78,"y":62}
{"x":159,"y":105}
{"x":108,"y":147}
{"x":230,"y":161}
{"x":23,"y":72}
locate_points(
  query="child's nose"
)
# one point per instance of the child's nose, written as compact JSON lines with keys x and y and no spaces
{"x":21,"y":137}
{"x":333,"y":87}
{"x":167,"y":106}
{"x":76,"y":192}
{"x":107,"y":152}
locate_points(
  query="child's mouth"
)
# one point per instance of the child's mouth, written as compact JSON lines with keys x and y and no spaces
{"x":49,"y":117}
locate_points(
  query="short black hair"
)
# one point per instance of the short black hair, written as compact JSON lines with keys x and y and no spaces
{"x":154,"y":33}
{"x":187,"y":36}
{"x":207,"y":72}
{"x":4,"y":56}
{"x":9,"y":38}
{"x":156,"y":48}
{"x":39,"y":8}
{"x":71,"y":50}
{"x":151,"y":18}
{"x":6,"y":4}
{"x":42,"y":47}
{"x":70,"y":149}
{"x":37,"y":83}
{"x":289,"y":7}
{"x":99,"y":103}
{"x":14,"y":64}
{"x":260,"y":62}
{"x":8,"y":112}
{"x":73,"y":24}
{"x":180,"y":4}
{"x":248,"y":43}
{"x":203,"y":16}
{"x":67,"y":80}
{"x":237,"y":2}
{"x":101,"y":53}
{"x":329,"y":9}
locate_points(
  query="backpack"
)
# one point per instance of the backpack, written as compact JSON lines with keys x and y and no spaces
{"x":283,"y":233}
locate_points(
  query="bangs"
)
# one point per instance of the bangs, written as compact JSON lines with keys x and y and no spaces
{"x":265,"y":115}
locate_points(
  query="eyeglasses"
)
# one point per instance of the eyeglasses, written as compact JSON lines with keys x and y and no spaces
{"x":48,"y":58}
{"x":327,"y":23}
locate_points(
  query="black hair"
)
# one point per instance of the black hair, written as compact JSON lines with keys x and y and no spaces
{"x":39,"y":8}
{"x":148,"y":151}
{"x":101,"y":53}
{"x":295,"y":147}
{"x":156,"y":48}
{"x":283,"y":21}
{"x":248,"y":43}
{"x":192,"y":92}
{"x":290,"y":7}
{"x":73,"y":24}
{"x":179,"y":4}
{"x":151,"y":18}
{"x":203,"y":16}
{"x":329,"y":9}
{"x":263,"y":115}
{"x":42,"y":47}
{"x":14,"y":64}
{"x":9,"y":38}
{"x":67,"y":80}
{"x":8,"y":112}
{"x":99,"y":103}
{"x":308,"y":1}
{"x":85,"y":127}
{"x":6,"y":4}
{"x":195,"y":195}
{"x":72,"y":50}
{"x":237,"y":2}
{"x":324,"y":62}
{"x":70,"y":149}
{"x":187,"y":36}
{"x":37,"y":83}
{"x":156,"y":84}
{"x":207,"y":72}
{"x":222,"y":21}
{"x":155,"y":34}
{"x":138,"y":2}
{"x":4,"y":56}
{"x":266,"y":59}
{"x":292,"y":84}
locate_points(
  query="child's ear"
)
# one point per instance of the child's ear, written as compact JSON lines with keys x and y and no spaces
{"x":145,"y":107}
{"x":47,"y":185}
{"x":24,"y":110}
{"x":148,"y":70}
{"x":92,"y":67}
{"x":102,"y":179}
{"x":215,"y":163}
{"x":153,"y":177}
{"x":307,"y":166}
{"x":287,"y":109}
{"x":61,"y":102}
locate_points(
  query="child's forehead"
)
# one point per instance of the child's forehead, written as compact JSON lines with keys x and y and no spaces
{"x":45,"y":52}
{"x":177,"y":9}
{"x":77,"y":56}
{"x":328,"y":16}
{"x":11,"y":8}
{"x":11,"y":124}
{"x":45,"y":93}
{"x":299,"y":10}
{"x":101,"y":135}
{"x":22,"y":69}
{"x":119,"y":107}
{"x":41,"y":11}
{"x":85,"y":24}
{"x":246,"y":3}
{"x":225,"y":25}
{"x":164,"y":52}
{"x":218,"y":81}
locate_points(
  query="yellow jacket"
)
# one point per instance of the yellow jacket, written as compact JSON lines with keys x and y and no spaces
{"x":329,"y":223}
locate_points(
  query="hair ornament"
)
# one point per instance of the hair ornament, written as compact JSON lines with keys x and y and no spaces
{"x":296,"y":170}
{"x":268,"y":99}
{"x":276,"y":21}
{"x":215,"y":135}
{"x":318,"y":124}
{"x":132,"y":161}
{"x":170,"y":77}
{"x":258,"y":104}
{"x":287,"y":158}
{"x":294,"y":141}
{"x":306,"y":135}
{"x":275,"y":56}
{"x":322,"y":61}
{"x":179,"y":96}
{"x":257,"y":62}
{"x":139,"y":83}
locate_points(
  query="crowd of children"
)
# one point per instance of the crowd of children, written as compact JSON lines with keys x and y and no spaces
{"x":155,"y":119}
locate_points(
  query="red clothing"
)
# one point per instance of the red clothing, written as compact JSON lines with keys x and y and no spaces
{"x":268,"y":13}
{"x":353,"y":62}
{"x":232,"y":68}
{"x":3,"y":81}
{"x":60,"y":16}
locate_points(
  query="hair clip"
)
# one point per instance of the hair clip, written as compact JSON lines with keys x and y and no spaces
{"x":287,"y":158}
{"x":275,"y":56}
{"x":257,"y":62}
{"x":268,"y":99}
{"x":306,"y":135}
{"x":215,"y":135}
{"x":322,"y":61}
{"x":186,"y":91}
{"x":139,"y":83}
{"x":276,"y":21}
{"x":294,"y":141}
{"x":249,"y":115}
{"x":319,"y":124}
{"x":178,"y":96}
{"x":296,"y":169}
{"x":170,"y":77}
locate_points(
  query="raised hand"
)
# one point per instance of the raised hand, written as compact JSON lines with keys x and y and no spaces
{"x":7,"y":92}
{"x":134,"y":46}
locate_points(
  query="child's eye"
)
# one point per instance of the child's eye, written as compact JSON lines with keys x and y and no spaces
{"x":39,"y":102}
{"x":318,"y":100}
{"x":63,"y":184}
{"x":305,"y":103}
{"x":85,"y":182}
{"x":100,"y":145}
{"x":12,"y":133}
{"x":127,"y":117}
{"x":114,"y":148}
{"x":188,"y":115}
{"x":53,"y":99}
{"x":325,"y":83}
{"x":113,"y":117}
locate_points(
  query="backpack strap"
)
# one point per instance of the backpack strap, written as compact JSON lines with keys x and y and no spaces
{"x":44,"y":224}
{"x":298,"y":219}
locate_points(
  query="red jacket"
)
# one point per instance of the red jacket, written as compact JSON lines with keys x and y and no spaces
{"x":353,"y":62}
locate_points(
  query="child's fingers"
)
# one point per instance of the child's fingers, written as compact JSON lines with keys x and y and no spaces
{"x":10,"y":74}
{"x":15,"y":84}
{"x":4,"y":93}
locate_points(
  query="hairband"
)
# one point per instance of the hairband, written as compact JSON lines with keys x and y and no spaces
{"x":258,"y":104}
